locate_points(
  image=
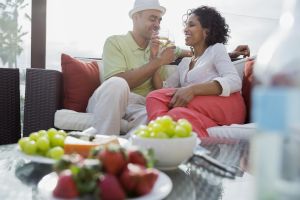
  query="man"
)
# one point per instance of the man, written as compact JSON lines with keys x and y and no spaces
{"x":129,"y":62}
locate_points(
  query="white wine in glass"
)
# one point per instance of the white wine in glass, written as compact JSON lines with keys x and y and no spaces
{"x":163,"y":41}
{"x":163,"y":37}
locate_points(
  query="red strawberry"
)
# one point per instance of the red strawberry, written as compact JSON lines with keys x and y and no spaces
{"x":137,"y":180}
{"x":110,"y":188}
{"x":130,"y":177}
{"x":137,"y":157}
{"x":146,"y":182}
{"x":113,"y":159}
{"x":65,"y":187}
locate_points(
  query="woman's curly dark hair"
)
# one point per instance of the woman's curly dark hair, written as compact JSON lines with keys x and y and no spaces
{"x":211,"y":19}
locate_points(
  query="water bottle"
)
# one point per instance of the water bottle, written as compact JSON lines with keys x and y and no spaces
{"x":276,"y":110}
{"x":278,"y":60}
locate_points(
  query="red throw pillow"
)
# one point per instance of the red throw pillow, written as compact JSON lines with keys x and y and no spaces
{"x":247,"y":87}
{"x":80,"y":79}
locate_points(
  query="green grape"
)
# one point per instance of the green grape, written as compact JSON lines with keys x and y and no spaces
{"x":152,"y":134}
{"x":165,"y":127}
{"x":180,"y":131}
{"x":43,"y":144}
{"x":150,"y":130}
{"x":156,"y":127}
{"x":169,"y":129}
{"x":161,"y":135}
{"x":30,"y":147}
{"x":165,"y":121}
{"x":62,"y":132}
{"x":47,"y":154}
{"x":42,"y":133}
{"x":56,"y":152}
{"x":185,"y":124}
{"x":51,"y":132}
{"x":22,"y":142}
{"x":34,"y":136}
{"x":144,"y":134}
{"x":57,"y":140}
{"x":151,"y":123}
{"x":141,"y":128}
{"x":157,"y":120}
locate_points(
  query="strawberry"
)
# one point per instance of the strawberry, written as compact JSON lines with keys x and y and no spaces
{"x":136,"y":157}
{"x":110,"y":188}
{"x":65,"y":187}
{"x":146,"y":181}
{"x":137,"y":180}
{"x":130,"y":177}
{"x":113,"y":159}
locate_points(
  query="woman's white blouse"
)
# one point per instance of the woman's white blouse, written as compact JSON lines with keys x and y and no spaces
{"x":213,"y":65}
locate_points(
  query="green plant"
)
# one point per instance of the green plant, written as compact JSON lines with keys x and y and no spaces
{"x":11,"y":33}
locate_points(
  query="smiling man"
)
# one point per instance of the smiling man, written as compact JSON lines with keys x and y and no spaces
{"x":129,"y":62}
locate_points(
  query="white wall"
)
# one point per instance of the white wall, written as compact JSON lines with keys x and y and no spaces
{"x":80,"y":27}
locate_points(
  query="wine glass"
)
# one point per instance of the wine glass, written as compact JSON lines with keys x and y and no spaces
{"x":163,"y":35}
{"x":171,"y":40}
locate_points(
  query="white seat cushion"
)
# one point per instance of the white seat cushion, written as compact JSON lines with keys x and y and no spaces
{"x":77,"y":121}
{"x":234,"y":131}
{"x":72,"y":120}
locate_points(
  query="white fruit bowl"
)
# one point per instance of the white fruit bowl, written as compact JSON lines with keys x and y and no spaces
{"x":168,"y":153}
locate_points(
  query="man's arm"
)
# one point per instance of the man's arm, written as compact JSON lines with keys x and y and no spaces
{"x":138,"y":76}
{"x":240,"y":50}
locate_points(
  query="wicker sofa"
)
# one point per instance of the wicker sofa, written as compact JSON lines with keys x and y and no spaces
{"x":10,"y":129}
{"x":44,"y":97}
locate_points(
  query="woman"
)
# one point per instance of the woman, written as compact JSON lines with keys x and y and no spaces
{"x":206,"y":87}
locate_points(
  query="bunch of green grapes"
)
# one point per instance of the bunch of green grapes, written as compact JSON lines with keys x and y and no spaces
{"x":165,"y":127}
{"x":48,"y":143}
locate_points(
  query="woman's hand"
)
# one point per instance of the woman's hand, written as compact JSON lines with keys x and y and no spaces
{"x":181,"y":97}
{"x":167,"y":55}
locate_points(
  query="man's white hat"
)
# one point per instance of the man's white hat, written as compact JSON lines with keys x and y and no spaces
{"x":140,"y":5}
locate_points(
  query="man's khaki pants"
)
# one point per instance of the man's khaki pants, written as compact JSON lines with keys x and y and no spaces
{"x":116,"y":110}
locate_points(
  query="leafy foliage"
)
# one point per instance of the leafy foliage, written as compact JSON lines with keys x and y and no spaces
{"x":11,"y":33}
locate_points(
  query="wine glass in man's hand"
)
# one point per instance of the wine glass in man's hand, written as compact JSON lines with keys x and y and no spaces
{"x":164,"y":38}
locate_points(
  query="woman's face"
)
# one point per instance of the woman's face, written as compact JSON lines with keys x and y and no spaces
{"x":193,"y":31}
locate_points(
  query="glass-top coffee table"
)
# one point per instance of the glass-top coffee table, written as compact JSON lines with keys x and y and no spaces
{"x":201,"y":177}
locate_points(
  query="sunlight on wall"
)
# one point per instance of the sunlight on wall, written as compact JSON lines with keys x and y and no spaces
{"x":80,"y":27}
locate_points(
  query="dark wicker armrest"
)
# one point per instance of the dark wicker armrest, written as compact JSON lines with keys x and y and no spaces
{"x":43,"y":96}
{"x":10,"y":129}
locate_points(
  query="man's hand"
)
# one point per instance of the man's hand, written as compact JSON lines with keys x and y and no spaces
{"x":181,"y":97}
{"x":241,"y":50}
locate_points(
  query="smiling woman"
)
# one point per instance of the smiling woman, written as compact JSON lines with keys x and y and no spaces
{"x":80,"y":27}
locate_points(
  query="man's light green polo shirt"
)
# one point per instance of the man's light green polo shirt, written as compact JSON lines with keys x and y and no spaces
{"x":121,"y":53}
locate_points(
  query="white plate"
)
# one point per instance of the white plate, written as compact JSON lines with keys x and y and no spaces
{"x":123,"y":142}
{"x":36,"y":158}
{"x":161,"y":189}
{"x":44,"y":160}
